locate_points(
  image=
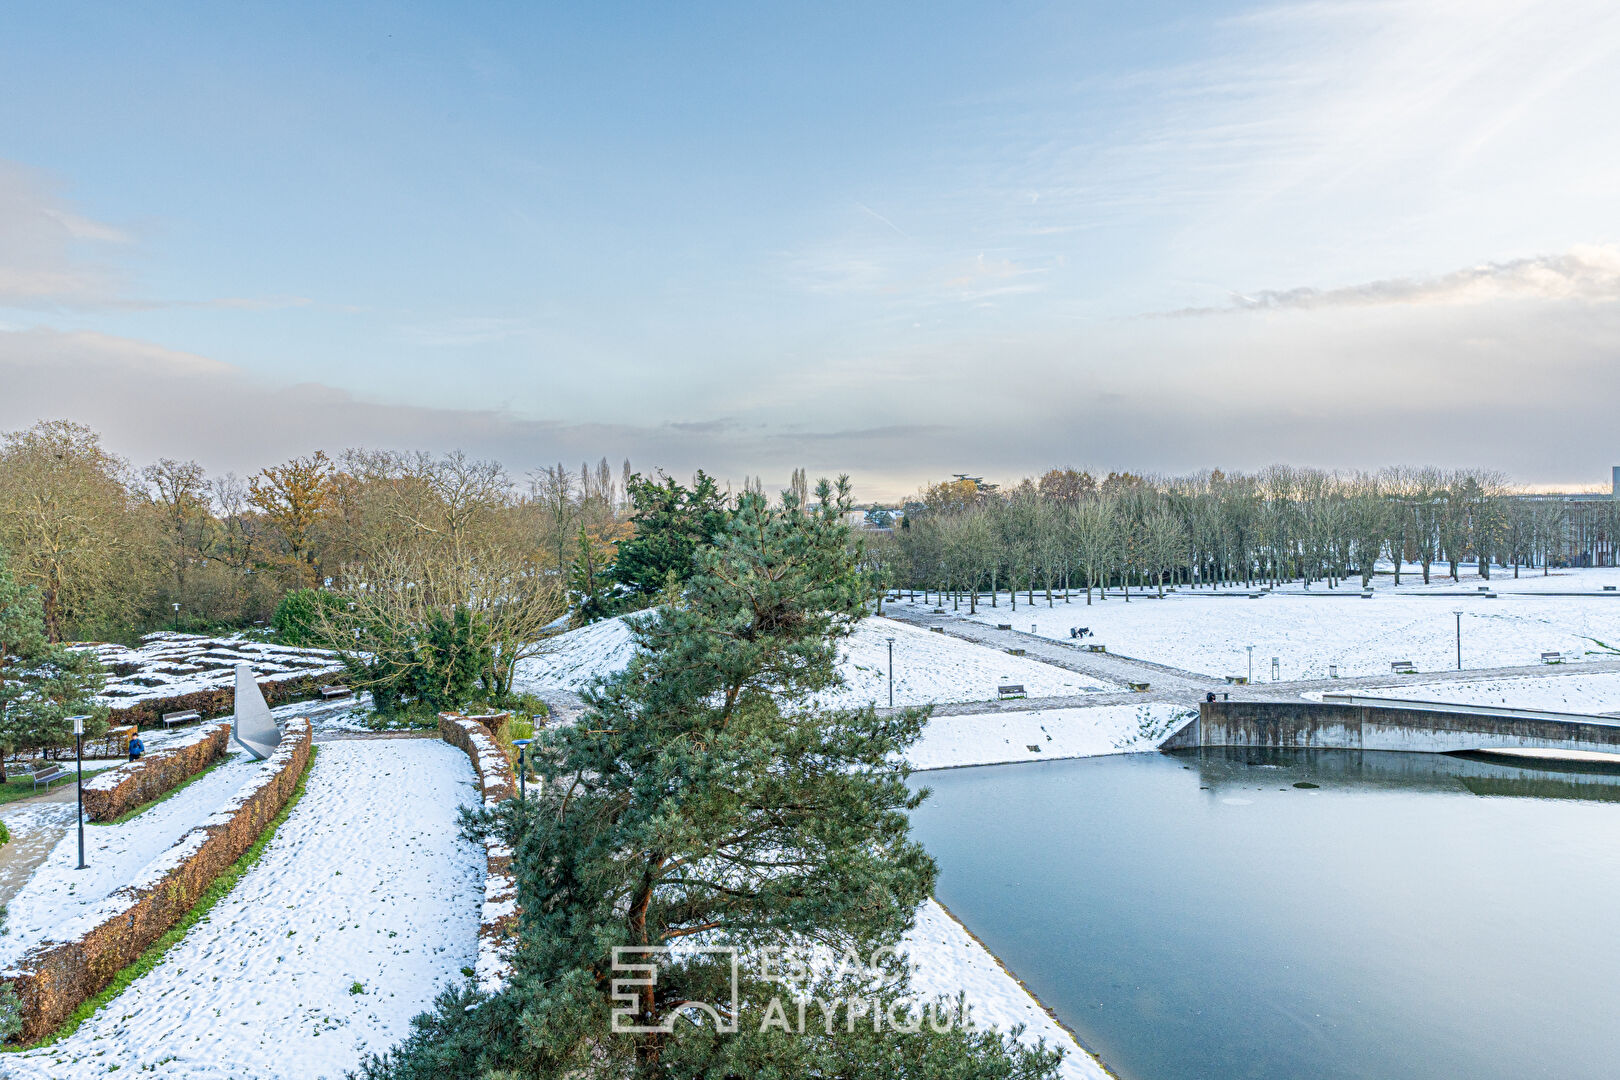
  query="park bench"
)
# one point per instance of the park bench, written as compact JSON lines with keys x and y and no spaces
{"x":939,"y":611}
{"x":1402,"y":667}
{"x":1237,"y":680}
{"x":1552,"y":658}
{"x":1255,"y":595}
{"x":1003,"y":626}
{"x":1014,"y":652}
{"x":1610,"y":588}
{"x":1095,"y":647}
{"x":46,"y":774}
{"x":1140,"y":687}
{"x":1011,"y":690}
{"x":185,"y":717}
{"x":339,"y":691}
{"x":937,"y":629}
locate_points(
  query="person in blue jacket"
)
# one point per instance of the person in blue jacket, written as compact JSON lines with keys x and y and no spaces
{"x":136,"y":747}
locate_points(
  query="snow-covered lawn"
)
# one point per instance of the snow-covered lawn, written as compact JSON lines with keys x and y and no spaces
{"x":1198,"y":631}
{"x":996,"y":737}
{"x":58,"y":891}
{"x":1596,"y":693}
{"x":361,"y":909}
{"x":929,"y":668}
{"x":947,"y":960}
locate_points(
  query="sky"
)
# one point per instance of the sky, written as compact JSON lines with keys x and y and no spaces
{"x":899,"y":241}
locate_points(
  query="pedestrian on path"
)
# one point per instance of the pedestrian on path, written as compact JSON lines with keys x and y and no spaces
{"x":136,"y":747}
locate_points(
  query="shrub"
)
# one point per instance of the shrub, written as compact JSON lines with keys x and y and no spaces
{"x":299,"y":613}
{"x":5,"y":834}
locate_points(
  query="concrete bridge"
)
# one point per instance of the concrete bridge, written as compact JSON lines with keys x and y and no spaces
{"x":1356,"y":722}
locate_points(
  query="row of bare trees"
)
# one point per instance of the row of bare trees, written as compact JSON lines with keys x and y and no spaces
{"x":1069,"y":531}
{"x":114,"y":549}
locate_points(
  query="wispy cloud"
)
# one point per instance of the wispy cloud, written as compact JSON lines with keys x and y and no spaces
{"x":1588,"y":273}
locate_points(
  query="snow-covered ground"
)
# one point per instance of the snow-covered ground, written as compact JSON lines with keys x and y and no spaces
{"x":947,"y":960}
{"x":929,"y":668}
{"x":997,"y":737}
{"x":168,"y":664}
{"x":1596,"y":693}
{"x":358,"y":913}
{"x":58,"y":892}
{"x":1203,"y":632}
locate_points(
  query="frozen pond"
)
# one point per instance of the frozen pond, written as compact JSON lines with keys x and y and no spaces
{"x":1199,"y":916}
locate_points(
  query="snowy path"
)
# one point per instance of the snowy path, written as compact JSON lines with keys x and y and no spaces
{"x":58,"y":891}
{"x":366,"y":882}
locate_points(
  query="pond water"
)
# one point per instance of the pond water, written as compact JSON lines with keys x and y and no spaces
{"x":1200,"y":916}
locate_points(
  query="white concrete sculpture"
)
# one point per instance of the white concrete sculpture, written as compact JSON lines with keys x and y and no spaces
{"x":253,"y":728}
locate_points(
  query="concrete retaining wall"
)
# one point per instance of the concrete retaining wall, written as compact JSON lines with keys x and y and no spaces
{"x":1306,"y":724}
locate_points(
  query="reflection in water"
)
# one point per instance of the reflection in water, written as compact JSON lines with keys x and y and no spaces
{"x":1482,"y":774}
{"x":1281,"y":914}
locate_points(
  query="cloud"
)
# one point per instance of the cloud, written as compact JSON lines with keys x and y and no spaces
{"x":1586,"y":273}
{"x":42,"y":241}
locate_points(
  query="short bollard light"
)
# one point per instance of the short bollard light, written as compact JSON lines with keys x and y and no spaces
{"x":523,"y":768}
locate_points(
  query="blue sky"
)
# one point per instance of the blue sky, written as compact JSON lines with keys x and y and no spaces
{"x":899,"y":241}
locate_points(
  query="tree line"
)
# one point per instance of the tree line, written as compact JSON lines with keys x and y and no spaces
{"x":1067,"y":531}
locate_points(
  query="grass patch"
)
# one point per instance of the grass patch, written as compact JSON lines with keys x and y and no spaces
{"x":21,"y":786}
{"x":171,"y":793}
{"x":172,"y":937}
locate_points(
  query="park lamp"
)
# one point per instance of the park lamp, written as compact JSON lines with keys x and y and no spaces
{"x":523,"y":768}
{"x":78,"y":753}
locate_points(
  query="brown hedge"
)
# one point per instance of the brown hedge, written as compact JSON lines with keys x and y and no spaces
{"x":219,"y":701}
{"x":55,"y":978}
{"x":127,"y":786}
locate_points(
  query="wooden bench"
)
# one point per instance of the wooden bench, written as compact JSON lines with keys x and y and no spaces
{"x":1140,"y":687}
{"x":1014,"y":652}
{"x":1237,"y":680}
{"x":1011,"y":690}
{"x":1552,"y":658}
{"x":1003,"y":626}
{"x":46,"y":774}
{"x":172,"y":718}
{"x":937,"y":629}
{"x":1610,"y":588}
{"x":339,"y":691}
{"x":1403,"y":667}
{"x":1094,"y":647}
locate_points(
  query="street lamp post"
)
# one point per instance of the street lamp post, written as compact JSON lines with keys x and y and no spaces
{"x":176,"y":618}
{"x":78,"y":753}
{"x":523,"y":768}
{"x":1459,"y":639}
{"x":891,"y":673}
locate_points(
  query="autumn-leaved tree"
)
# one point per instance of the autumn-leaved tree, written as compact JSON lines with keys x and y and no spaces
{"x":292,"y":497}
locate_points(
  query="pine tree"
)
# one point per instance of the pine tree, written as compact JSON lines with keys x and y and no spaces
{"x":672,"y":522}
{"x":703,"y":799}
{"x":41,"y":685}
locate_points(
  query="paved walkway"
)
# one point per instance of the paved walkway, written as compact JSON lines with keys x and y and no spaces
{"x":1176,"y":685}
{"x":36,"y":824}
